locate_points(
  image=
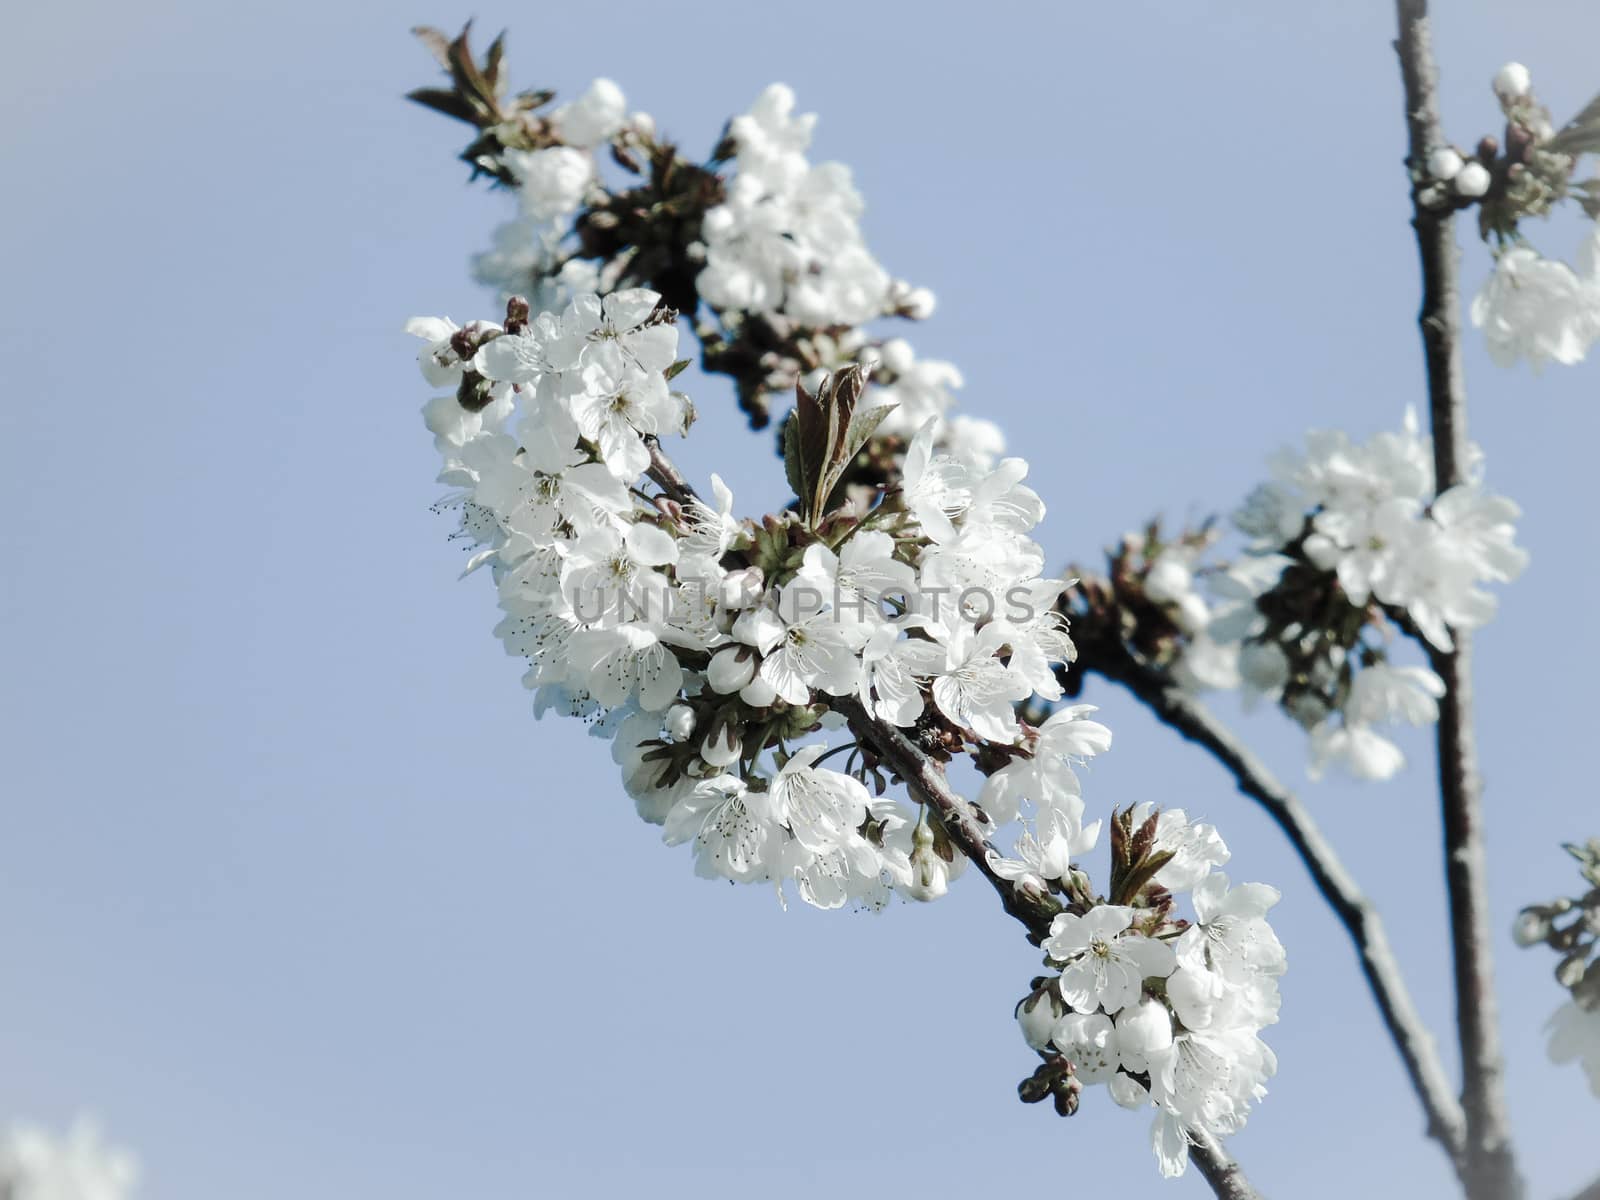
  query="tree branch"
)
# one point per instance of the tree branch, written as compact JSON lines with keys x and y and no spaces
{"x":1490,"y":1164}
{"x":665,"y":475}
{"x":925,"y":779}
{"x":1185,"y":714}
{"x":1227,"y":1180}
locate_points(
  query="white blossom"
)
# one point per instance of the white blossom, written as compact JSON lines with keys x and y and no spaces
{"x":1575,"y":1037}
{"x":593,"y":117}
{"x":1106,"y":965}
{"x":79,"y":1165}
{"x":1538,"y":308}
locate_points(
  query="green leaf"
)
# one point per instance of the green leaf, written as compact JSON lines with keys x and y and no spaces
{"x":677,"y":369}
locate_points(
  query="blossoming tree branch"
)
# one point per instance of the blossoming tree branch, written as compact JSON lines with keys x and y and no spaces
{"x":785,"y":692}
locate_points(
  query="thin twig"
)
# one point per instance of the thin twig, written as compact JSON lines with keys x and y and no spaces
{"x":927,"y":782}
{"x":1183,"y":713}
{"x":1491,"y":1172}
{"x":667,"y":476}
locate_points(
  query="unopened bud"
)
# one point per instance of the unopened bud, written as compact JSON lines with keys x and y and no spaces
{"x":918,"y":303}
{"x":1445,"y":163}
{"x":1472,"y":180}
{"x":730,"y":669}
{"x":1038,"y":1014}
{"x":517,"y":313}
{"x":930,"y":879}
{"x":740,"y":589}
{"x":1532,"y":927}
{"x":680,"y":722}
{"x":1036,"y":1086}
{"x":722,"y":745}
{"x":1570,"y":970}
{"x":1512,"y":81}
{"x":1067,"y":1094}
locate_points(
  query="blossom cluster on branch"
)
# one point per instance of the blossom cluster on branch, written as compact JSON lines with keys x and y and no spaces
{"x":1531,"y":307}
{"x":708,"y":645}
{"x":1570,"y":925}
{"x":1347,"y":547}
{"x":895,"y":613}
{"x":1165,"y":1011}
{"x":757,"y":247}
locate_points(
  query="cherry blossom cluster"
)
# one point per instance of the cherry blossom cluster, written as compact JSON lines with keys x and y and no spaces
{"x":1570,"y":926}
{"x":786,"y":241}
{"x":759,"y":246}
{"x":1166,"y":1012}
{"x":1347,"y":542}
{"x":897,"y":602}
{"x":532,"y":253}
{"x":709,"y":647}
{"x":38,"y":1165}
{"x":1530,"y":307}
{"x":785,"y":249}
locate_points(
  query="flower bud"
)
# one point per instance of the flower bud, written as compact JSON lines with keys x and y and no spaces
{"x":1194,"y":991}
{"x":1512,"y":81}
{"x":1445,"y":163}
{"x":1038,"y":1014}
{"x":722,"y":745}
{"x":919,"y":304}
{"x":1472,"y":180}
{"x":1143,"y":1029}
{"x":730,"y":669}
{"x":680,"y":722}
{"x":740,"y":589}
{"x":930,"y":873}
{"x":1532,"y":927}
{"x":1037,"y":1086}
{"x":1168,"y":581}
{"x":1569,"y":972}
{"x":1067,"y":1093}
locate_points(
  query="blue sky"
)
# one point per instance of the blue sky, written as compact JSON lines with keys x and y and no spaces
{"x":296,"y":894}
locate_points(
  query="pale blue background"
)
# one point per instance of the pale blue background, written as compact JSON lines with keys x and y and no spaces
{"x":293,"y":890}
